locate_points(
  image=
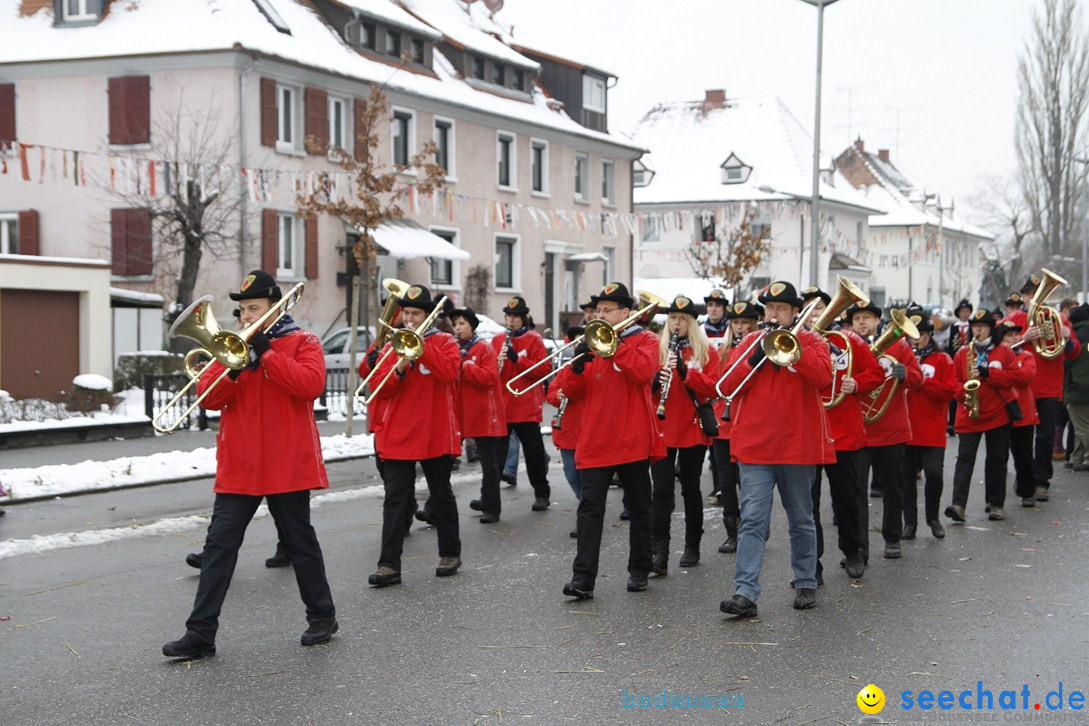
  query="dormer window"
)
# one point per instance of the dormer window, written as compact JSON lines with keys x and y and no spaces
{"x":417,"y":45}
{"x":593,"y":93}
{"x":499,"y":74}
{"x":735,"y":171}
{"x":77,"y":10}
{"x":393,"y":43}
{"x":478,"y":68}
{"x":368,"y":36}
{"x":519,"y":79}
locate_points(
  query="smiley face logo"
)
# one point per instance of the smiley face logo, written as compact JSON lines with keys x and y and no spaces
{"x":871,"y":699}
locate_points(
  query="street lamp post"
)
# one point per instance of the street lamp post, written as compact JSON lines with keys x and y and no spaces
{"x":1085,"y":234}
{"x":814,"y":255}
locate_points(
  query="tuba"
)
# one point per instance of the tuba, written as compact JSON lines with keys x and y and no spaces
{"x":877,"y":401}
{"x":396,"y":290}
{"x":847,"y":295}
{"x":1050,"y":344}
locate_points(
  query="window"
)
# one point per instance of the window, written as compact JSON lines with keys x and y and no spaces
{"x":443,"y":271}
{"x":734,"y":171}
{"x":338,"y":123}
{"x":505,"y":160}
{"x":478,"y":68}
{"x":519,"y":79}
{"x":417,"y":50}
{"x":78,"y":10}
{"x":287,"y":247}
{"x":652,"y":231}
{"x":9,"y":234}
{"x":539,"y":163}
{"x":877,"y":296}
{"x":130,"y":242}
{"x":393,"y":43}
{"x":506,"y":270}
{"x":129,"y":109}
{"x":608,"y":269}
{"x":287,"y":101}
{"x":272,"y":16}
{"x":582,"y":177}
{"x":444,"y":145}
{"x":368,"y":36}
{"x":608,"y":181}
{"x":499,"y":74}
{"x":402,"y":137}
{"x":593,"y":93}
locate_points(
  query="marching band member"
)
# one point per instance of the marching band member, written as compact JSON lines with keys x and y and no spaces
{"x":743,"y":317}
{"x":717,"y":324}
{"x":687,"y":378}
{"x":419,"y":424}
{"x":1021,"y":434}
{"x":780,"y":434}
{"x":478,"y":403}
{"x":887,"y":436}
{"x":521,"y":347}
{"x":267,"y":448}
{"x":983,"y":413}
{"x":927,"y":410}
{"x":849,"y":436}
{"x":960,"y":333}
{"x":619,"y":433}
{"x":566,"y":425}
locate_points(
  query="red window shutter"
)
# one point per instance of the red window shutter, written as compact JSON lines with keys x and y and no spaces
{"x":138,"y":233}
{"x":268,"y":112}
{"x":270,"y":241}
{"x":138,"y":109}
{"x":311,"y":247}
{"x":7,"y":113}
{"x":317,"y":119}
{"x":28,"y":233}
{"x":118,"y":130}
{"x":118,"y":241}
{"x":357,"y":120}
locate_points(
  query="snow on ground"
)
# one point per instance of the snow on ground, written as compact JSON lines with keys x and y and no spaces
{"x":129,"y":410}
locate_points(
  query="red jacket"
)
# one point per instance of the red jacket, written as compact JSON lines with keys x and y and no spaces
{"x":928,"y":407}
{"x":478,"y":398}
{"x":530,"y":349}
{"x":895,"y":426}
{"x":375,"y":408}
{"x":268,"y":441}
{"x":419,"y":421}
{"x":778,"y":416}
{"x":1048,"y":382}
{"x":845,"y":420}
{"x":619,"y":422}
{"x":996,"y":390}
{"x":1026,"y":373}
{"x":680,"y":427}
{"x":722,"y":355}
{"x":567,"y":435}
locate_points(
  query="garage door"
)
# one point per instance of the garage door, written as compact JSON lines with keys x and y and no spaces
{"x":39,"y":342}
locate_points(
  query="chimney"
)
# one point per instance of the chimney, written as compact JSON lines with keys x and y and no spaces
{"x":859,"y":144}
{"x":883,"y":155}
{"x":714,"y":98}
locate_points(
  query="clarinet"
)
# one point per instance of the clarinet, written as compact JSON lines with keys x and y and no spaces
{"x":557,"y":421}
{"x":674,"y":348}
{"x":507,"y":343}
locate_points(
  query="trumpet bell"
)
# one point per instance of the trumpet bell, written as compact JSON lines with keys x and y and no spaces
{"x":407,"y":344}
{"x":197,"y":322}
{"x":782,"y":347}
{"x":600,"y":337}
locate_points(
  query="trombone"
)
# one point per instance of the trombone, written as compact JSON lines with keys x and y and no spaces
{"x":231,"y":349}
{"x":601,"y":337}
{"x":405,"y":343}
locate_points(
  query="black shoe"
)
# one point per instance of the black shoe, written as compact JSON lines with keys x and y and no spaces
{"x":574,"y":534}
{"x":805,"y":598}
{"x":384,"y":576}
{"x":1026,"y":502}
{"x":955,"y":512}
{"x":474,"y":504}
{"x":280,"y":559}
{"x":194,"y":559}
{"x":691,"y":557}
{"x":423,"y":516}
{"x":730,"y":545}
{"x":876,"y":493}
{"x":624,"y":514}
{"x":510,"y":480}
{"x":489,"y":518}
{"x":540,"y":504}
{"x":854,"y":566}
{"x":659,"y":563}
{"x":447,"y":566}
{"x":909,"y":531}
{"x":190,"y":646}
{"x":319,"y":632}
{"x":738,"y":605}
{"x":637,"y":583}
{"x":937,"y":529}
{"x":1081,"y":467}
{"x":578,"y":590}
{"x":892,"y":551}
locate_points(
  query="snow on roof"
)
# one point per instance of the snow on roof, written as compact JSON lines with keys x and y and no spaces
{"x":689,"y":147}
{"x":120,"y":293}
{"x":463,"y":29}
{"x":182,"y":26}
{"x":390,"y":13}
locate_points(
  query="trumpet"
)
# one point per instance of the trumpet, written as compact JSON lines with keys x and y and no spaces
{"x":231,"y":349}
{"x":407,"y":344}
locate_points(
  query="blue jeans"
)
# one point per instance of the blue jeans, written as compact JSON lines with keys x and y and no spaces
{"x":510,"y":464}
{"x":758,"y":482}
{"x":570,"y":472}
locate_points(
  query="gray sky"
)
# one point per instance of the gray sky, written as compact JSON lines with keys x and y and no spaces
{"x":949,"y":66}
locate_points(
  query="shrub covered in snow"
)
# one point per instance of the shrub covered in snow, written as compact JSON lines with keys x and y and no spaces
{"x":132,"y":367}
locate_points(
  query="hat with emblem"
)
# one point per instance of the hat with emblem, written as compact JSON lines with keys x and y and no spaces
{"x":1031,"y":284}
{"x":962,"y":305}
{"x":516,"y":306}
{"x":257,"y":284}
{"x":717,"y":295}
{"x":922,"y":321}
{"x":616,"y":292}
{"x":850,"y":313}
{"x":1002,"y":328}
{"x":468,"y":313}
{"x":742,"y":310}
{"x":781,"y":291}
{"x":813,"y":291}
{"x":589,"y":302}
{"x":682,"y":304}
{"x":984,"y":316}
{"x":417,"y":296}
{"x":1014,"y":299}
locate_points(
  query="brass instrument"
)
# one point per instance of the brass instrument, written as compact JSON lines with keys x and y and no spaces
{"x":847,"y":295}
{"x":1050,"y":344}
{"x":602,"y":339}
{"x":406,"y":344}
{"x":971,"y":386}
{"x":879,"y":399}
{"x":674,"y":348}
{"x":231,"y":349}
{"x":397,"y":291}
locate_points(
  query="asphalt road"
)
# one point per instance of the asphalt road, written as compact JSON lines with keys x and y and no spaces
{"x":1004,"y":603}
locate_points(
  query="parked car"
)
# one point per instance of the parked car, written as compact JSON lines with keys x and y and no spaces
{"x":336,"y":349}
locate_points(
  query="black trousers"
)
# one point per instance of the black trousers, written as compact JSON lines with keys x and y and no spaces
{"x":529,"y":433}
{"x":635,"y":480}
{"x":1023,"y":465}
{"x":847,"y":497}
{"x":399,"y":478}
{"x":489,"y":471}
{"x":931,"y":459}
{"x":231,"y":515}
{"x":729,"y":478}
{"x":994,"y":477}
{"x":663,"y":475}
{"x":887,"y":463}
{"x":1045,"y":440}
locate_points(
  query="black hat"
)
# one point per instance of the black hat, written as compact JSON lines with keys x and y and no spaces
{"x":962,"y":304}
{"x":922,"y":321}
{"x":516,"y":306}
{"x":781,"y":291}
{"x":575,"y":331}
{"x":1031,"y":284}
{"x":448,"y":308}
{"x":1079,"y":314}
{"x":589,"y":303}
{"x":743,"y":310}
{"x":985,"y":316}
{"x":468,"y":314}
{"x":717,"y":295}
{"x":417,"y":296}
{"x":1014,"y":299}
{"x":257,"y":284}
{"x":1004,"y":327}
{"x":813,"y":291}
{"x":682,"y":304}
{"x":855,"y":309}
{"x":616,"y":292}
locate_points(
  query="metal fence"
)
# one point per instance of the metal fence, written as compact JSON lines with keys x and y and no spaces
{"x":340,"y":384}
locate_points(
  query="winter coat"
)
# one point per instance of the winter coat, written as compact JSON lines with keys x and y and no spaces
{"x":1076,"y":390}
{"x":894,"y":427}
{"x":845,"y":420}
{"x":1026,"y":372}
{"x":530,"y":349}
{"x":928,"y":406}
{"x":680,"y":427}
{"x":1048,"y":382}
{"x":478,"y":398}
{"x":996,"y":390}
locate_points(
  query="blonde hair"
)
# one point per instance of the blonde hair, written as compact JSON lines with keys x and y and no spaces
{"x":697,"y":339}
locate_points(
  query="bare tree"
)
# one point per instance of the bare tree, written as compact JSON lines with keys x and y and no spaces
{"x":729,"y":255}
{"x":1053,"y":76}
{"x":1002,"y":209}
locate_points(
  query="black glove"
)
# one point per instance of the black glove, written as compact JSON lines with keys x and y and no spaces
{"x":898,"y":371}
{"x":578,"y":366}
{"x":372,"y":359}
{"x":581,"y":349}
{"x":464,"y":352}
{"x":682,"y":367}
{"x":582,"y":356}
{"x":757,"y":356}
{"x":512,"y":354}
{"x":984,"y":372}
{"x":260,"y":344}
{"x":233,"y":375}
